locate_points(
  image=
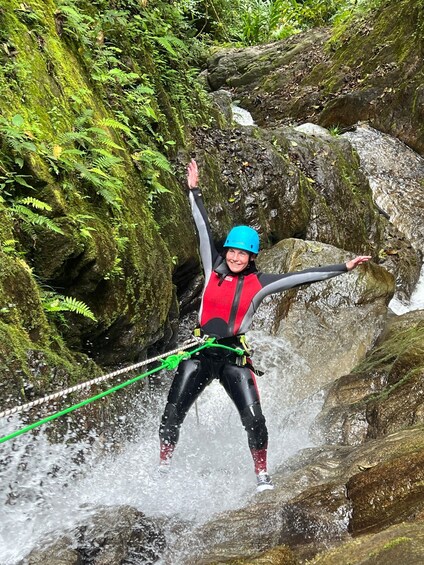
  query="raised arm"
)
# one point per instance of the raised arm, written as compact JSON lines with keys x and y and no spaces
{"x":272,"y":283}
{"x":208,"y":252}
{"x":278,"y":283}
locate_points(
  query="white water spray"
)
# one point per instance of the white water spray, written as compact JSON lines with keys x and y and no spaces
{"x":49,"y":488}
{"x":242,"y":116}
{"x":416,"y":301}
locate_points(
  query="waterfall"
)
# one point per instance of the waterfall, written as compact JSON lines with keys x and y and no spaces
{"x":242,"y":116}
{"x":49,"y":488}
{"x":416,"y":301}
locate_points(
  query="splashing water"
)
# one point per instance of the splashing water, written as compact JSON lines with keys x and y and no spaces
{"x":416,"y":301}
{"x":242,"y":116}
{"x":49,"y":488}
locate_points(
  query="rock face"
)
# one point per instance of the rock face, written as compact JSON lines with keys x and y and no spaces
{"x":403,"y":543}
{"x":287,"y":184}
{"x":113,"y":535}
{"x":384,"y":393}
{"x":396,"y":182}
{"x":372,"y":71}
{"x":331,"y":324}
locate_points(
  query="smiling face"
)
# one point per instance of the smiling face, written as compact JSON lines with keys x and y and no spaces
{"x":237,"y":259}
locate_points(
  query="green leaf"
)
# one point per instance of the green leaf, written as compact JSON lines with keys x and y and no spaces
{"x":17,"y":121}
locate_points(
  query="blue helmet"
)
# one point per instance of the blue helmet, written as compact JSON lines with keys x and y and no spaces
{"x":243,"y":237}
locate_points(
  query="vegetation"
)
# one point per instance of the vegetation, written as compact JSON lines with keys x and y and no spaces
{"x":96,"y":99}
{"x":249,"y":22}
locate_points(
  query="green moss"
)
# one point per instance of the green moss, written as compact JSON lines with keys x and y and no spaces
{"x":394,"y":345}
{"x":34,"y":370}
{"x":52,"y":77}
{"x":399,"y":358}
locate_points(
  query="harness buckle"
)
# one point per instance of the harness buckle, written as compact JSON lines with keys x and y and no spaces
{"x":241,"y":360}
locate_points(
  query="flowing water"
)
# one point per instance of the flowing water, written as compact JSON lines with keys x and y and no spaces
{"x":49,"y":488}
{"x":242,"y":116}
{"x":416,"y":301}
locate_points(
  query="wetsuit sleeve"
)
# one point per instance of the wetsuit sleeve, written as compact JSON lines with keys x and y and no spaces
{"x":208,"y":252}
{"x":277,"y":283}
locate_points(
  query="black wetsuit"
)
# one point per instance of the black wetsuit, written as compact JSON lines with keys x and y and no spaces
{"x":228,"y":303}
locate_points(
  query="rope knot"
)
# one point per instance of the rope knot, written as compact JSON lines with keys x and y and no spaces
{"x":172,"y":361}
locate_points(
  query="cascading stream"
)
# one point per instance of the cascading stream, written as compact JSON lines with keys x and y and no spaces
{"x":47,"y":489}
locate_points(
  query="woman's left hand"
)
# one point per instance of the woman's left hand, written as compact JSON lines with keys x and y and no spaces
{"x":353,"y":263}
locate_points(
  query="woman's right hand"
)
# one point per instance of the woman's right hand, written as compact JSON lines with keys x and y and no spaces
{"x":192,"y":175}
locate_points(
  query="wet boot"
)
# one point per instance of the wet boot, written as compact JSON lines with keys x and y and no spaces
{"x":263,"y":480}
{"x":165,"y":456}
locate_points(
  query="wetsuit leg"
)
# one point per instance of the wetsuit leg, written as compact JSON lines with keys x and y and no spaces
{"x":191,"y":378}
{"x":240,"y":384}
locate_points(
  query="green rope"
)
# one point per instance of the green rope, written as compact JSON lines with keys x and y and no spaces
{"x":171,"y":362}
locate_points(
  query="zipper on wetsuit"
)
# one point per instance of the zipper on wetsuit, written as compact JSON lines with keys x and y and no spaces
{"x":235,"y":305}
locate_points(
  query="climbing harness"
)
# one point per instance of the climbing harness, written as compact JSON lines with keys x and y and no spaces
{"x":168,"y":363}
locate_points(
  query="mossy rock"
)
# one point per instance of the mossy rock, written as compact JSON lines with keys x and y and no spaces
{"x":384,"y":392}
{"x":31,"y":370}
{"x":371,"y":70}
{"x":281,"y":555}
{"x":402,"y":543}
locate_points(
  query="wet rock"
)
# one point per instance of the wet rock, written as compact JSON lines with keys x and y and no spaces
{"x":385,"y":392}
{"x":390,"y":492}
{"x":281,"y":555}
{"x":323,"y":496}
{"x":58,"y":553}
{"x":113,"y":535}
{"x":245,"y":67}
{"x":286,"y":183}
{"x":223,"y":100}
{"x":395,"y":173}
{"x":371,"y":72}
{"x":314,"y":130}
{"x":403,"y":543}
{"x":330,"y":324}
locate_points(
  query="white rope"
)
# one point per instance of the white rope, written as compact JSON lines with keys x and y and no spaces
{"x":97,"y":380}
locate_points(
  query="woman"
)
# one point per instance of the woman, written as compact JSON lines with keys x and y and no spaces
{"x":232,"y":292}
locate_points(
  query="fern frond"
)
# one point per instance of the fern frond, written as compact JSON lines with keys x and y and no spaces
{"x":110,"y":198}
{"x":59,"y":303}
{"x":99,"y":172}
{"x":76,"y":136}
{"x":32,"y":218}
{"x":114,"y":124}
{"x":168,"y":42}
{"x":35,"y":203}
{"x":108,"y":142}
{"x":106,"y":163}
{"x":143,"y":89}
{"x":110,"y":160}
{"x":148,"y":111}
{"x":154,"y":158}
